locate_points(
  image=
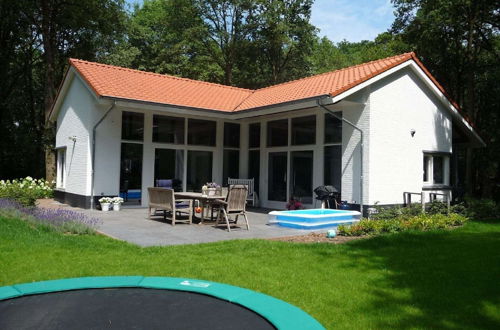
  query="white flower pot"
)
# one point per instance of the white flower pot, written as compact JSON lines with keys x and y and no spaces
{"x":105,"y":207}
{"x":211,"y":191}
{"x":116,"y":206}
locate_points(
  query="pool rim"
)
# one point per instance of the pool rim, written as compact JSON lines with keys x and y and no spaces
{"x":339,"y":213}
{"x":279,"y":313}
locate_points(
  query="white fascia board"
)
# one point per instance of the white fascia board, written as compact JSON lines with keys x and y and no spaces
{"x":173,"y":109}
{"x":446,"y":102}
{"x":180,"y":110}
{"x":61,"y":94}
{"x":428,"y":82}
{"x":68,"y":79}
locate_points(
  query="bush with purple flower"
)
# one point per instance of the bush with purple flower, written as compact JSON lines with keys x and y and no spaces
{"x":60,"y":219}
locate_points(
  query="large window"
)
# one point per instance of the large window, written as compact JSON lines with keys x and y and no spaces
{"x":131,"y":171}
{"x":304,"y":130}
{"x":435,"y":168}
{"x":132,"y":126}
{"x":254,"y":167}
{"x":231,"y":135}
{"x":231,"y":165}
{"x":333,"y":166}
{"x":61,"y":168}
{"x":168,"y":129}
{"x":277,"y":176}
{"x":277,"y":133}
{"x":231,"y":155}
{"x":169,"y":165}
{"x":333,"y":128}
{"x":254,"y":135}
{"x":199,"y":169}
{"x":201,"y":132}
{"x":301,"y":175}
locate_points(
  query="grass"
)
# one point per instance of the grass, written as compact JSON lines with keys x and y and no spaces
{"x":438,"y":279}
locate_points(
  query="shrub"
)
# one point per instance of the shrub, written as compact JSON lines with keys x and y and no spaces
{"x":481,"y":208}
{"x":420,"y":222}
{"x":59,"y":219}
{"x":26,"y":191}
{"x":391,"y":212}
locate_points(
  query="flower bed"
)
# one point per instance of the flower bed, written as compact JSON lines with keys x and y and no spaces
{"x":60,"y":219}
{"x":403,"y":223}
{"x":26,"y":191}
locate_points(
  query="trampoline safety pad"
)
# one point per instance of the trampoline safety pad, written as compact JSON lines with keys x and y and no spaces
{"x":137,"y":302}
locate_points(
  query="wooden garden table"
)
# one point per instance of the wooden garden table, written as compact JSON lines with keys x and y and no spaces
{"x":205,"y":201}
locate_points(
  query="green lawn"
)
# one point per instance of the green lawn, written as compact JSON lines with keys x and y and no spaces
{"x":441,"y":279}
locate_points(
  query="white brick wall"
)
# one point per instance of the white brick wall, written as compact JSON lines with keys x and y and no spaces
{"x":398,"y":104}
{"x":73,"y":120}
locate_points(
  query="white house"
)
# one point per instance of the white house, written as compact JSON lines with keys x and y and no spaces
{"x":118,"y":130}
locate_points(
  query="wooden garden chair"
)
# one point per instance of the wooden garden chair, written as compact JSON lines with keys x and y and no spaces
{"x":233,"y":205}
{"x":163,"y":199}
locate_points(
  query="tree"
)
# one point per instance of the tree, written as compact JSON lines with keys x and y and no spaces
{"x":284,"y":37}
{"x":67,"y":28}
{"x":328,"y":56}
{"x":36,"y":38}
{"x":459,"y":42}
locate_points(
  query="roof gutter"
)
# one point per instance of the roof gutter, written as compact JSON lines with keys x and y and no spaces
{"x":320,"y":104}
{"x":92,"y":169}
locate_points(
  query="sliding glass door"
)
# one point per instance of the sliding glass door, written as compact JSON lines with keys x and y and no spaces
{"x":169,"y":164}
{"x":277,"y":176}
{"x":199,"y":169}
{"x":301,"y":176}
{"x":131,"y":171}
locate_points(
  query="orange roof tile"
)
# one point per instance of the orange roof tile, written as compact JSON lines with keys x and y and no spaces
{"x":113,"y":81}
{"x":118,"y":82}
{"x":331,"y":83}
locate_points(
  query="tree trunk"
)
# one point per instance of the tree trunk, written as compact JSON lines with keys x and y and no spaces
{"x":49,"y":47}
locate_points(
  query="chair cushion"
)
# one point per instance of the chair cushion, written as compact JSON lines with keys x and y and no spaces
{"x":164,"y":183}
{"x":181,"y":205}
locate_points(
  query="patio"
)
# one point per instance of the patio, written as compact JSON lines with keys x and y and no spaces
{"x":133,"y":226}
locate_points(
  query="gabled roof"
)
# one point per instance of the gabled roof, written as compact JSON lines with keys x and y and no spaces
{"x":123,"y":83}
{"x":117,"y":82}
{"x":128,"y":84}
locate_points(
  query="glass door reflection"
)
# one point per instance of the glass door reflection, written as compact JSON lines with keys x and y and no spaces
{"x":277,"y":176}
{"x":301,"y":176}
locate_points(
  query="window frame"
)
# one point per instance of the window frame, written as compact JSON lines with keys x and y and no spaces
{"x":169,"y":117}
{"x":430,"y":155}
{"x":61,"y":168}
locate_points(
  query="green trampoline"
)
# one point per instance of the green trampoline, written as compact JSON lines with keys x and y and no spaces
{"x":137,"y":302}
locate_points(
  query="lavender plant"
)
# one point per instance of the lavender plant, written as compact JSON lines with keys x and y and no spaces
{"x":61,"y":219}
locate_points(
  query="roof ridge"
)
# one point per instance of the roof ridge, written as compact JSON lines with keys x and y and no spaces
{"x":72,"y":60}
{"x":410,"y":54}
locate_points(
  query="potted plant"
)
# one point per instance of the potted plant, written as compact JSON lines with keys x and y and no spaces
{"x":294,"y":204}
{"x":117,"y":202}
{"x":105,"y":202}
{"x":212,"y":188}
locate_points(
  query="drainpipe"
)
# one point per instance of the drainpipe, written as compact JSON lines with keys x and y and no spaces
{"x":318,"y":101}
{"x":92,"y":169}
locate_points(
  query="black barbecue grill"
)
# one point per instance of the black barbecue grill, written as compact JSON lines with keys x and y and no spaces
{"x":329,"y":195}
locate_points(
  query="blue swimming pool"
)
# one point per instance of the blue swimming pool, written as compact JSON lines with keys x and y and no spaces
{"x":314,"y":218}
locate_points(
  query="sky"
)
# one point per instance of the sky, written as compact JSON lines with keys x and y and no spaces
{"x":353,"y":20}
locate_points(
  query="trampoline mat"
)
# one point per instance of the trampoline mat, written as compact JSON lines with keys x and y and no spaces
{"x":126,"y":308}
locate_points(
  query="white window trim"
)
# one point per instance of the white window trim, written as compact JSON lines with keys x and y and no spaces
{"x":430,"y":168}
{"x":61,"y":168}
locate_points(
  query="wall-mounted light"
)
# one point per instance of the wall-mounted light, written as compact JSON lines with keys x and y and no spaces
{"x":412,"y":132}
{"x":72,"y":138}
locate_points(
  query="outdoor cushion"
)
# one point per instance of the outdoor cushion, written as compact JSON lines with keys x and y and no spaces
{"x":164,"y":183}
{"x":180,"y":205}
